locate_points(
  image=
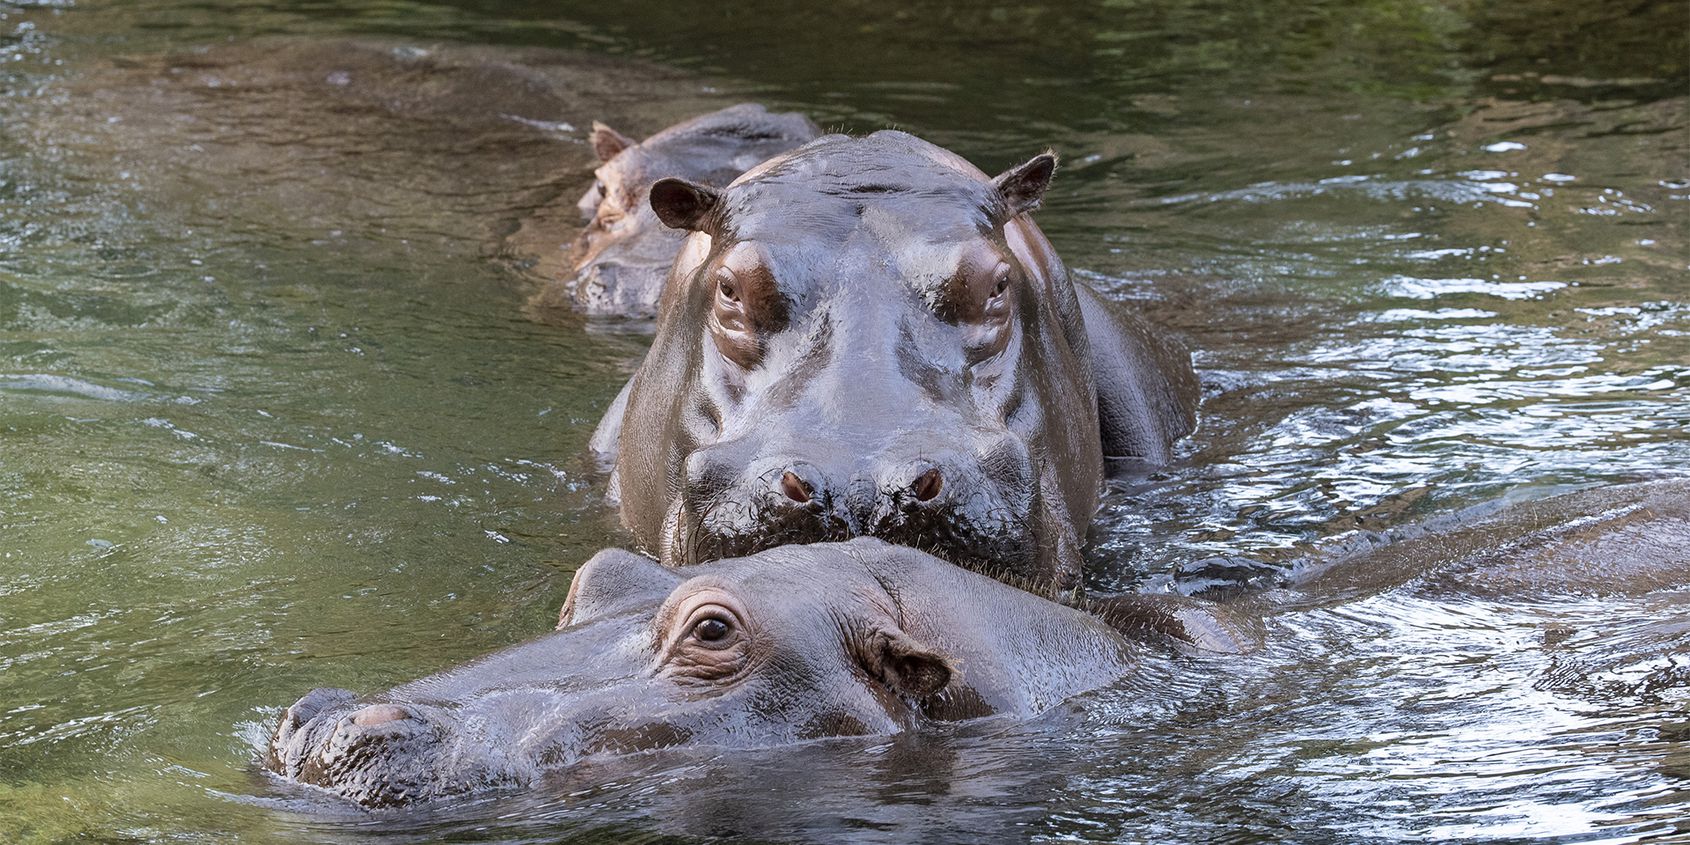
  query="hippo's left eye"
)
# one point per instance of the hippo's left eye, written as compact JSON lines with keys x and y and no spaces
{"x":978,"y":300}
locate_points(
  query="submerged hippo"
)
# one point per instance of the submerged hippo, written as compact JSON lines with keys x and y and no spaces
{"x":869,"y":336}
{"x":865,"y":638}
{"x":791,"y":644}
{"x":624,"y":253}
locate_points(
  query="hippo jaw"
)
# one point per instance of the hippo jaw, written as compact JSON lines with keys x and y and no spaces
{"x":976,"y":519}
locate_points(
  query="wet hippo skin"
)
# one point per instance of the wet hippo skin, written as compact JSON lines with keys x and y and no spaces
{"x":623,"y":254}
{"x":1620,"y":540}
{"x":865,"y":638}
{"x":869,"y":336}
{"x":795,"y":643}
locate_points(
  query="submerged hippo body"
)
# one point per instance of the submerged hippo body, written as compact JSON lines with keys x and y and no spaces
{"x":623,"y":254}
{"x":797,"y":643}
{"x":868,"y":336}
{"x":1620,"y":540}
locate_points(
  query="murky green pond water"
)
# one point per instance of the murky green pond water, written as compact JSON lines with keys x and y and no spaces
{"x":274,"y":413}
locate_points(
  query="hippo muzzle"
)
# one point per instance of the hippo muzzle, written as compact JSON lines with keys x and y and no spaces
{"x":378,"y":755}
{"x":967,"y":494}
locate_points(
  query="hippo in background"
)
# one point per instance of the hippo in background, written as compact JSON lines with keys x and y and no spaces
{"x":870,"y":337}
{"x":622,"y":256}
{"x":863,"y":638}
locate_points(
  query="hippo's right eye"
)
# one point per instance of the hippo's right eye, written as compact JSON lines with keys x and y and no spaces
{"x":735,"y":324}
{"x":745,"y":305}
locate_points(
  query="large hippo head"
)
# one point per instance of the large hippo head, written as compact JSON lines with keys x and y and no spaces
{"x":623,"y":253}
{"x":801,"y":642}
{"x":865,"y":336}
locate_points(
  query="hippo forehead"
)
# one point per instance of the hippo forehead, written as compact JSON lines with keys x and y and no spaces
{"x":713,"y":148}
{"x":616,"y":582}
{"x":818,"y":565}
{"x":831,"y":186}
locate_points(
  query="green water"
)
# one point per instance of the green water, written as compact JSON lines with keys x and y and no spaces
{"x":274,"y":412}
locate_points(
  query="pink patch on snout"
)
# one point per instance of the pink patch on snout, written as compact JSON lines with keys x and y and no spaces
{"x":379,"y":714}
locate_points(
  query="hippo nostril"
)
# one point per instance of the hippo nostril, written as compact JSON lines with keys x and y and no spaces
{"x":379,"y":714}
{"x":313,"y":703}
{"x":927,"y":485}
{"x":795,"y":488}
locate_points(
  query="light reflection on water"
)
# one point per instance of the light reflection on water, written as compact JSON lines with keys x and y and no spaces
{"x":271,"y":416}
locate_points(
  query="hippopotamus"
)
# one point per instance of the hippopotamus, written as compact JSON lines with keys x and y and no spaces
{"x":794,"y":643}
{"x":863,"y":638}
{"x":623,"y":254}
{"x":867,"y":336}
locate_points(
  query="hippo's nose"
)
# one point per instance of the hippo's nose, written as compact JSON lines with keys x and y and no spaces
{"x":919,"y":481}
{"x":377,"y":720}
{"x":380,"y":714}
{"x":802,"y":484}
{"x":312,"y":703}
{"x":915,"y":484}
{"x":596,"y":280}
{"x":375,"y":737}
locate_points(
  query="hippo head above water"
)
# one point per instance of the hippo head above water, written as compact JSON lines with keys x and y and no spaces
{"x":797,"y":643}
{"x":868,"y":336}
{"x":623,"y":253}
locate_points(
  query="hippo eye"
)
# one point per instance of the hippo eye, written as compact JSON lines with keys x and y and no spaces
{"x":609,"y":217}
{"x":709,"y":644}
{"x":711,"y":629}
{"x":745,"y":305}
{"x":996,"y":305}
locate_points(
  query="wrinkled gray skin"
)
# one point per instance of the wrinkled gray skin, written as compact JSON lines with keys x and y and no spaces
{"x":868,"y":336}
{"x":850,"y":639}
{"x":865,"y":638}
{"x":623,"y":255}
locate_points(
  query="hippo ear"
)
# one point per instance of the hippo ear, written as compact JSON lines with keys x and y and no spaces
{"x":1023,"y":186}
{"x":683,"y":205}
{"x":905,"y":664}
{"x":611,"y":579}
{"x":607,"y":142}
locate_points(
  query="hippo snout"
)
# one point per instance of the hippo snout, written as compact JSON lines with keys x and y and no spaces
{"x":379,"y":755}
{"x":739,"y":498}
{"x":616,"y":287}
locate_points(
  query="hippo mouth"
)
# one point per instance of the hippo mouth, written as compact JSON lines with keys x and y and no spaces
{"x":982,"y":533}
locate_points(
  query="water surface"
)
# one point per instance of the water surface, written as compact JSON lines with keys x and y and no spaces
{"x":274,"y":413}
